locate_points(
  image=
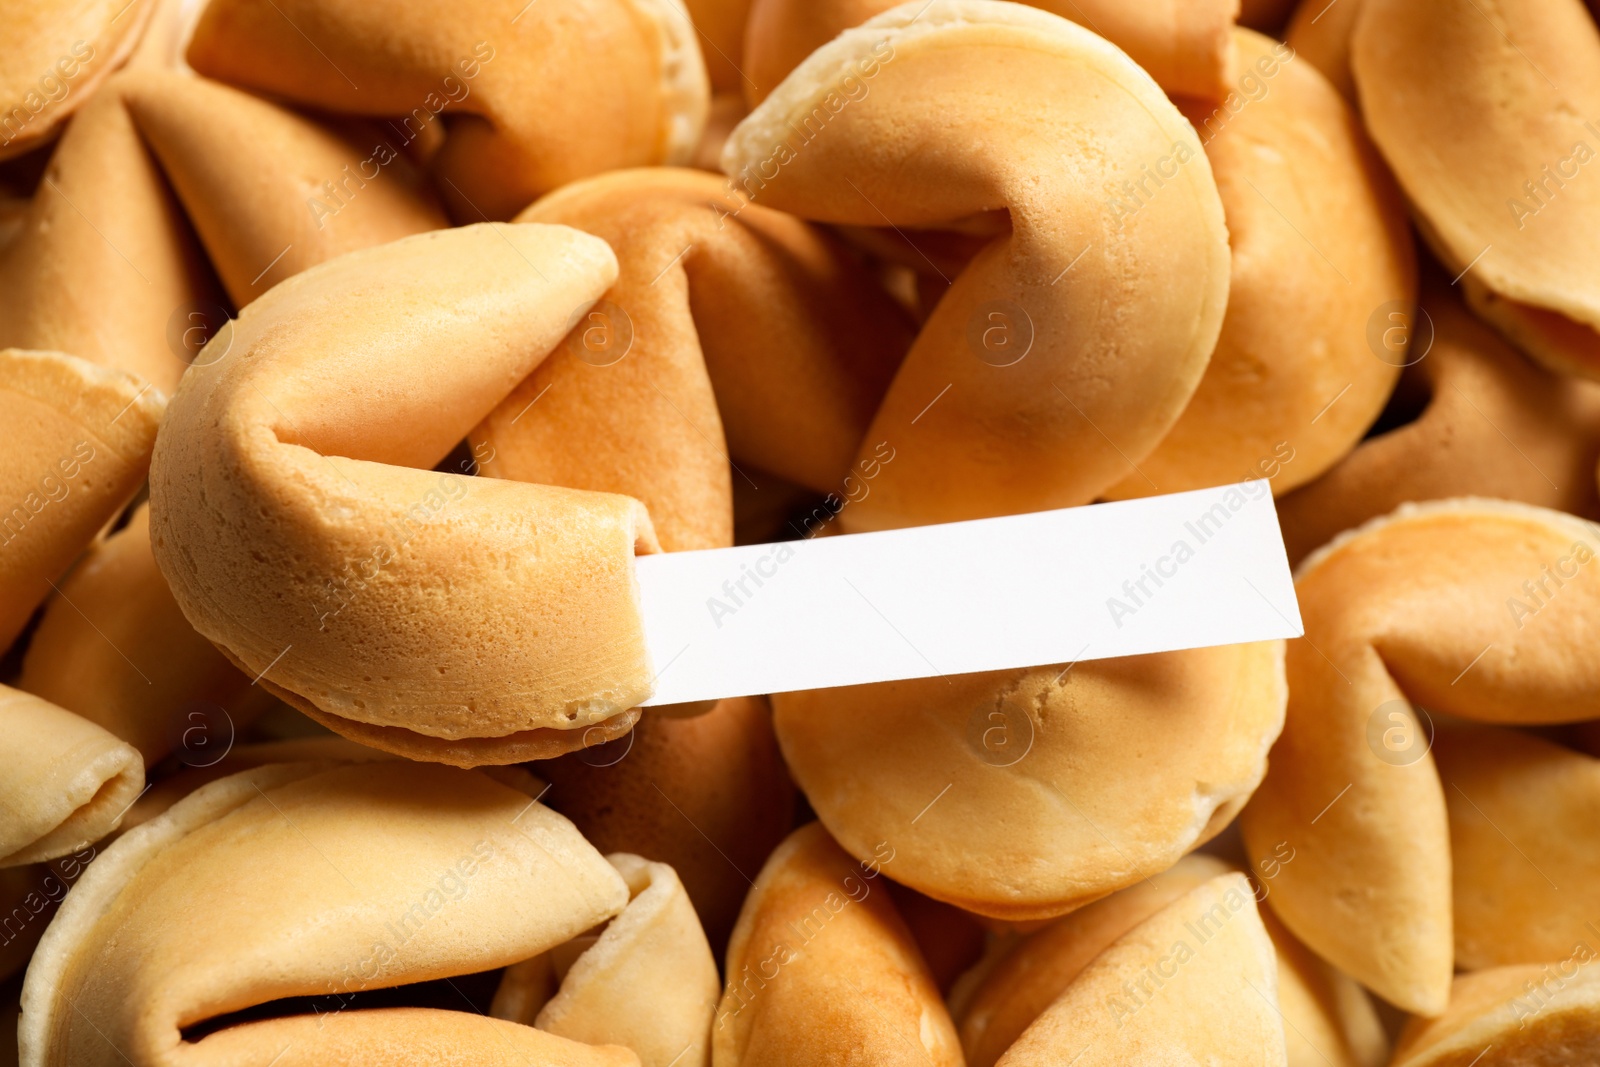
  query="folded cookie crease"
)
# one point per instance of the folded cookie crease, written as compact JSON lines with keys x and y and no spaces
{"x":302,"y":881}
{"x":113,"y":647}
{"x":646,"y":982}
{"x":1320,"y":248}
{"x":78,"y":443}
{"x":1488,"y":121}
{"x":727,"y":320}
{"x":1070,"y":344}
{"x":294,"y":514}
{"x":1478,"y":609}
{"x":64,"y":782}
{"x":1492,"y":423}
{"x":1195,"y":982}
{"x":530,"y":100}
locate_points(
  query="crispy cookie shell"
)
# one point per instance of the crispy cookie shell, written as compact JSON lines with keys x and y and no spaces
{"x":646,"y":982}
{"x":650,"y":793}
{"x":558,"y":91}
{"x":1489,"y":124}
{"x":293,"y":514}
{"x":1184,"y":44}
{"x":821,"y":969}
{"x":1007,"y":793}
{"x":933,"y":113}
{"x":704,"y":283}
{"x":77,"y":445}
{"x":105,"y":265}
{"x":1482,"y":609}
{"x":295,"y":880}
{"x":1522,"y":816}
{"x":1023,"y":984}
{"x":1320,"y":242}
{"x":1545,"y":1014}
{"x":53,"y":55}
{"x":1494,"y":424}
{"x":114,"y":647}
{"x":1194,"y":983}
{"x":66,"y":782}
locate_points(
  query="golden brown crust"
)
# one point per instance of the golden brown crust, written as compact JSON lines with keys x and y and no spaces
{"x":535,"y":107}
{"x":1320,"y":245}
{"x":114,"y":647}
{"x":292,"y":880}
{"x":1522,"y":812}
{"x":293,"y":513}
{"x":705,"y":284}
{"x":1494,"y":424}
{"x":1185,"y":45}
{"x":1472,"y":112}
{"x":850,"y":138}
{"x":1508,"y":1016}
{"x":1196,"y":981}
{"x":923,"y":767}
{"x":67,"y":782}
{"x":78,"y":443}
{"x":821,"y":970}
{"x":652,"y":793}
{"x":1412,"y":611}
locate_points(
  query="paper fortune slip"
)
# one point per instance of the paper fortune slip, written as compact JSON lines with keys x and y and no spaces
{"x":1186,"y":570}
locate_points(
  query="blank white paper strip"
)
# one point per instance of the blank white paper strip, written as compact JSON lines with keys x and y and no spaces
{"x":1186,"y":570}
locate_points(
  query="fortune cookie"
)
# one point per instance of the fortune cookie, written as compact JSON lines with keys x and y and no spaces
{"x":293,"y":513}
{"x":822,"y":970}
{"x":1509,"y":1016}
{"x":708,"y":795}
{"x":53,"y":55}
{"x":1027,"y":979}
{"x":1006,"y":793}
{"x":1184,"y":44}
{"x":64,"y":782}
{"x":1328,"y":1019}
{"x":539,"y":97}
{"x":703,"y":282}
{"x":1481,"y":609}
{"x":78,"y":442}
{"x":1319,"y":240}
{"x":105,"y":267}
{"x":114,"y":648}
{"x":1196,"y":982}
{"x":1492,"y":423}
{"x":1489,"y":124}
{"x":1071,"y":343}
{"x":1521,"y":811}
{"x":647,"y":981}
{"x":300,"y":880}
